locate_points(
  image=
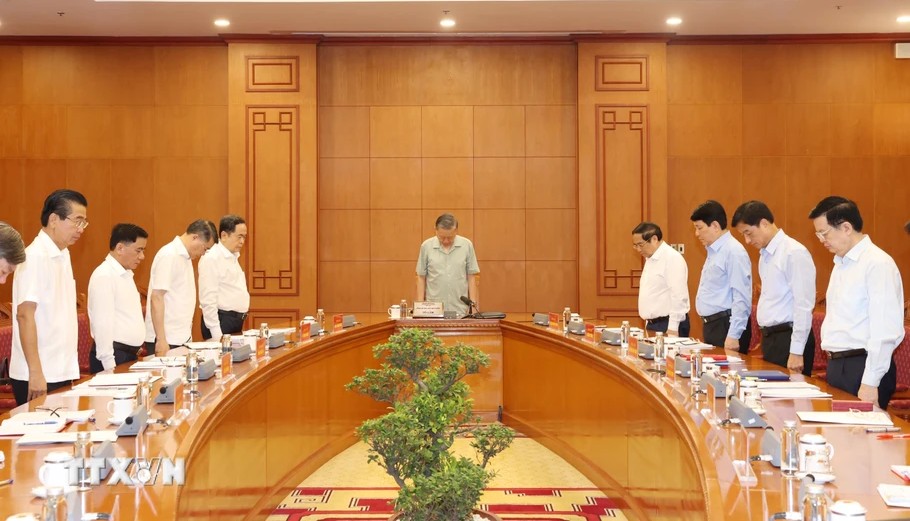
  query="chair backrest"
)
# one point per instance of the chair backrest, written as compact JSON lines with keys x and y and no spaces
{"x":821,"y":358}
{"x":902,"y":360}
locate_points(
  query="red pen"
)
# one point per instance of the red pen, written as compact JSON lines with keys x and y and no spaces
{"x":902,"y":474}
{"x":893,"y":436}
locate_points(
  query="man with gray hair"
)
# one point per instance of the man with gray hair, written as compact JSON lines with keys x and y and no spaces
{"x":12,"y":251}
{"x":172,"y":288}
{"x":447,"y":268}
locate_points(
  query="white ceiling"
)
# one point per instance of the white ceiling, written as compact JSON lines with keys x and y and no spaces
{"x":700,"y":17}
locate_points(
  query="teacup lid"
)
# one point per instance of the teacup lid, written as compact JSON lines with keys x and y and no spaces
{"x":309,"y":318}
{"x":124,"y":396}
{"x":812,"y":438}
{"x":848,"y":507}
{"x":58,"y":457}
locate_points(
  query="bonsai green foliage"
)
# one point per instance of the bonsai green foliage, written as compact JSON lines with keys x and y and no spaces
{"x":430,"y":406}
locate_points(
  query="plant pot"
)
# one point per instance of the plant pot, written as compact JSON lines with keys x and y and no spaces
{"x":489,"y":516}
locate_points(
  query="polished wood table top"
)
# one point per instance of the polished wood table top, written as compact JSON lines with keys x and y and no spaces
{"x":640,"y":435}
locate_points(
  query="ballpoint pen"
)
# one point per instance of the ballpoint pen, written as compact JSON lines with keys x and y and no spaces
{"x":6,"y":482}
{"x":880,"y":430}
{"x":893,"y":436}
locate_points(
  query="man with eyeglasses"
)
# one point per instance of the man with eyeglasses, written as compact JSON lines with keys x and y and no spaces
{"x":45,"y":331}
{"x":864,"y":317}
{"x":663,"y":293}
{"x":787,"y":297}
{"x":172,"y":288}
{"x":447,"y":268}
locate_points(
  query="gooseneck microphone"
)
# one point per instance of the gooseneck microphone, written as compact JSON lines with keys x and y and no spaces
{"x":472,"y":306}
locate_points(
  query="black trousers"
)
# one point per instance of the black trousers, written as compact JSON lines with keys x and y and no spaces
{"x":775,"y":348}
{"x":661,"y":323}
{"x":150,"y":346}
{"x":122,"y":354}
{"x":715,"y":333}
{"x":20,"y":389}
{"x":231,"y":323}
{"x":847,"y":373}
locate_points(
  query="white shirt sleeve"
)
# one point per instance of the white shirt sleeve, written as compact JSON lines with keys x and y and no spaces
{"x":208,"y":295}
{"x":677,"y":280}
{"x":800,"y":273}
{"x":886,"y":319}
{"x":101,"y":314}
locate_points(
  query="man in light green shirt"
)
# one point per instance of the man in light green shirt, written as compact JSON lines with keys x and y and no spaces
{"x":447,"y":268}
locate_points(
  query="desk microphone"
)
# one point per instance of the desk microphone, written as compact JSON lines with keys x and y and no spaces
{"x":468,"y":301}
{"x":472,"y":306}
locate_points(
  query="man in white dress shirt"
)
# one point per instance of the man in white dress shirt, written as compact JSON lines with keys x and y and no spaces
{"x":787,"y":298}
{"x":172,"y":288}
{"x":663,"y":293}
{"x":45,"y":332}
{"x":864,"y":317}
{"x":114,"y":306}
{"x":223,"y":296}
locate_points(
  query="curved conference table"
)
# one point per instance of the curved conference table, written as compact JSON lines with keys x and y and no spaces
{"x":641,"y":437}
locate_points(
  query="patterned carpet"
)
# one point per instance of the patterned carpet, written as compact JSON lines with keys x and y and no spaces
{"x":532,"y":484}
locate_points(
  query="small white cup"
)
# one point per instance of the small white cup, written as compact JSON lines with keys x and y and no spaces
{"x":56,"y":469}
{"x":121,"y":405}
{"x":822,"y":453}
{"x":711,"y":368}
{"x":847,"y":510}
{"x":395,"y":312}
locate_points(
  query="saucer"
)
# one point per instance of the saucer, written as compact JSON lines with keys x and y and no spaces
{"x":115,"y":421}
{"x":820,"y":477}
{"x":42,"y":492}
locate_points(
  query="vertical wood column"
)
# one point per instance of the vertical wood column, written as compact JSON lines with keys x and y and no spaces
{"x":622,"y":169}
{"x":272,"y":174}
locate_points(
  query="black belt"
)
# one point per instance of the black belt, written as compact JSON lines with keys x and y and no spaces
{"x":849,"y":353}
{"x":716,"y":316}
{"x":241,"y":316}
{"x":118,"y":346}
{"x":777,"y":328}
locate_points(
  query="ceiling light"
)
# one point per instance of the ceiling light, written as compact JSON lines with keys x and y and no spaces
{"x":674,"y":20}
{"x":903,"y":19}
{"x":222,"y":22}
{"x":447,"y":21}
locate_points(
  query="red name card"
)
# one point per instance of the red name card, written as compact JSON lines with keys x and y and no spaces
{"x":226,"y":365}
{"x":633,"y":346}
{"x":260,"y":348}
{"x":554,"y":321}
{"x":589,"y":331}
{"x":304,"y":332}
{"x":337,"y":323}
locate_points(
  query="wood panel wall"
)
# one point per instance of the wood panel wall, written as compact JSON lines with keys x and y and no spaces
{"x":484,"y":132}
{"x":141,"y":131}
{"x":789,"y":125}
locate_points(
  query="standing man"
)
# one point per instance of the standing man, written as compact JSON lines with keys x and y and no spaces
{"x":172,"y":288}
{"x":45,"y":332}
{"x":724,"y":298}
{"x":663,"y":294}
{"x":12,"y":251}
{"x":787,"y":297}
{"x":223,"y":296}
{"x":864,"y":321}
{"x":114,"y":306}
{"x":447,"y":268}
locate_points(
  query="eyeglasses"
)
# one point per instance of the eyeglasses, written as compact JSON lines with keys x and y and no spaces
{"x":639,"y":244}
{"x":821,"y":235}
{"x":79,"y":221}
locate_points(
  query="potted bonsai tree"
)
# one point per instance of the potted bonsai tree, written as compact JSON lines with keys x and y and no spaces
{"x":430,"y":406}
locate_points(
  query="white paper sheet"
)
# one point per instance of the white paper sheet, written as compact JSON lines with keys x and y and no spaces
{"x":895,"y":495}
{"x":847,"y":417}
{"x":64,"y":437}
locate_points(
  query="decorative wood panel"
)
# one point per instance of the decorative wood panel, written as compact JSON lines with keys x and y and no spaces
{"x":272,"y":177}
{"x":620,"y":73}
{"x":273,"y":317}
{"x":272,"y":74}
{"x":622,"y":174}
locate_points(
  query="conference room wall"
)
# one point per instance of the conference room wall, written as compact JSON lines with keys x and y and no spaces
{"x":790,"y":124}
{"x":487,"y":132}
{"x":140,"y":130}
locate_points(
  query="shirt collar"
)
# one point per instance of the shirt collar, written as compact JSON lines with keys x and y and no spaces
{"x":720,"y":242}
{"x":116,"y":266}
{"x":775,"y":242}
{"x":180,"y":247}
{"x":45,"y":241}
{"x":438,"y":245}
{"x":659,"y":251}
{"x":855,"y":252}
{"x":226,"y":253}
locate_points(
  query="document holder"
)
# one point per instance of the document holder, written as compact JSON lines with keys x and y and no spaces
{"x":541,"y":319}
{"x":577,"y":328}
{"x":135,"y":422}
{"x":646,"y":350}
{"x":770,"y":445}
{"x":166,"y":391}
{"x":491,"y":315}
{"x":241,"y":353}
{"x":748,"y":418}
{"x":276,"y":340}
{"x":348,"y":321}
{"x":683,"y":366}
{"x":206,"y":369}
